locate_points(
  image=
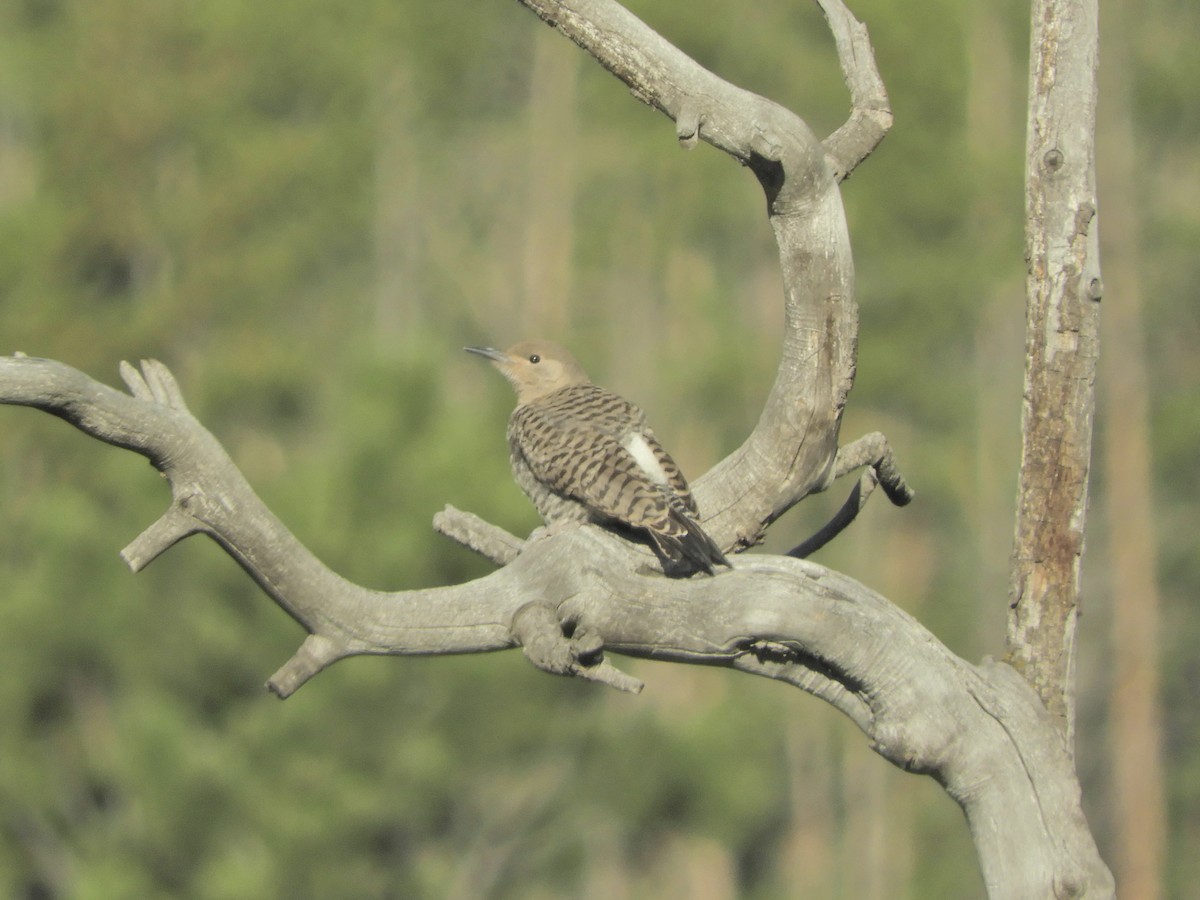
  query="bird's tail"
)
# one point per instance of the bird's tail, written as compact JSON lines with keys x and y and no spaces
{"x":690,"y":545}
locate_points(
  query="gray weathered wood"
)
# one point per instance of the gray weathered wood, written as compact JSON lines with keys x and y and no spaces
{"x":981,"y":731}
{"x":1061,"y":347}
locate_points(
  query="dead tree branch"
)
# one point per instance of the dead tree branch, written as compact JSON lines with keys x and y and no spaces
{"x":871,"y":112}
{"x":790,"y":453}
{"x":488,"y":540}
{"x":873,"y":451}
{"x":569,"y":596}
{"x":564,"y":613}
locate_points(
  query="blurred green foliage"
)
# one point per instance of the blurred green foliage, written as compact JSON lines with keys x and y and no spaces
{"x":306,"y":209}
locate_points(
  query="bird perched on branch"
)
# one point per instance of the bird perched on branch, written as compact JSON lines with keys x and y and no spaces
{"x":583,"y":454}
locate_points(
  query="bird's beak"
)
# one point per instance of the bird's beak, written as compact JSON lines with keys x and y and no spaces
{"x":496,"y":356}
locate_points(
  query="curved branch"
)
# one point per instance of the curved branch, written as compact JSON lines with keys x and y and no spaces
{"x":210,"y":496}
{"x":871,"y":112}
{"x":979,"y":731}
{"x":874,"y":451}
{"x":569,"y":595}
{"x":791,"y":451}
{"x":859,"y":494}
{"x":871,"y":450}
{"x":770,"y":615}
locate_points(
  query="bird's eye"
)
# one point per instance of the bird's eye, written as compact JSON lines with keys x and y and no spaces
{"x":535,"y":359}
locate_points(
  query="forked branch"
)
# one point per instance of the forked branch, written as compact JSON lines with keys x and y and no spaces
{"x":790,"y":454}
{"x":563,"y":613}
{"x":922,"y":707}
{"x":570,"y":596}
{"x":871,"y":112}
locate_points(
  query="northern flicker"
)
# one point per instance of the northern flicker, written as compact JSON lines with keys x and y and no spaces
{"x":583,"y":454}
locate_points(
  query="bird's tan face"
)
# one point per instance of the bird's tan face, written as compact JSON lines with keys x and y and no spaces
{"x":534,"y":368}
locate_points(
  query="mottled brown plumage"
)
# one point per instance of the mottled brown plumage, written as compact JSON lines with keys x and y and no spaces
{"x":583,"y":454}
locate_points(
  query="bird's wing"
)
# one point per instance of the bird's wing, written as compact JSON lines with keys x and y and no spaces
{"x":675,"y":477}
{"x":591,"y":406}
{"x":577,"y":458}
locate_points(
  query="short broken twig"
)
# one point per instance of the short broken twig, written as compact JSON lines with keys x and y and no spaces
{"x":874,"y":450}
{"x":474,"y":533}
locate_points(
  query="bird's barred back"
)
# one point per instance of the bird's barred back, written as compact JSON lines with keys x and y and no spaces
{"x":581,"y":452}
{"x":593,"y":404}
{"x":567,"y":451}
{"x":590,"y":406}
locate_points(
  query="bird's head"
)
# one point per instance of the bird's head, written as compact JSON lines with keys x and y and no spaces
{"x":534,"y":368}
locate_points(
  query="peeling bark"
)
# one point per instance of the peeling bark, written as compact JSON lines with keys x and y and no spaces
{"x":1063,"y":290}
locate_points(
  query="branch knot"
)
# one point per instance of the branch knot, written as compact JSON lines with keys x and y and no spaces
{"x":563,"y":647}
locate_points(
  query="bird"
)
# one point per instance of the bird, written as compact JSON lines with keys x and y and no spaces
{"x":584,"y":454}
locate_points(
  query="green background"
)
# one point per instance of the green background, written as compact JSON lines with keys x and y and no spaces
{"x":306,"y":210}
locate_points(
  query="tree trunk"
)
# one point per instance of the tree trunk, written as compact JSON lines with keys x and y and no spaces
{"x":1061,"y":344}
{"x":569,"y":596}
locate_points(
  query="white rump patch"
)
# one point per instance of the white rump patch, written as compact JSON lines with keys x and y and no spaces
{"x":639,"y":449}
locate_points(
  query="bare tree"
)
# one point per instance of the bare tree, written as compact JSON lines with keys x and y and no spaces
{"x":996,"y":736}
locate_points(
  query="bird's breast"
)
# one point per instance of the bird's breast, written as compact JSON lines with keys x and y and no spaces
{"x":552,"y":505}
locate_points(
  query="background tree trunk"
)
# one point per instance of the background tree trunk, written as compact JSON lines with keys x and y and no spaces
{"x":1135,"y":720}
{"x":980,"y":731}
